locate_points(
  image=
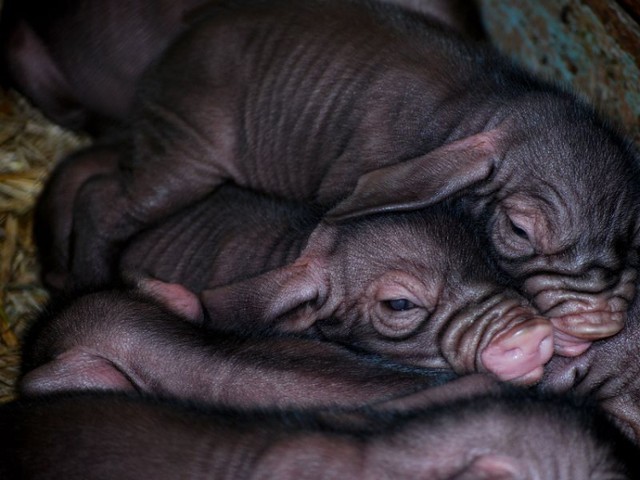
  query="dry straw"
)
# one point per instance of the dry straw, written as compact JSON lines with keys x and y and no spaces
{"x":29,"y":148}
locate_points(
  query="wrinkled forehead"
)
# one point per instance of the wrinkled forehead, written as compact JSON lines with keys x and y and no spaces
{"x":583,"y":180}
{"x":434,"y":238}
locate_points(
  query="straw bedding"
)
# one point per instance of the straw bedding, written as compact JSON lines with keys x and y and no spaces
{"x":29,"y":148}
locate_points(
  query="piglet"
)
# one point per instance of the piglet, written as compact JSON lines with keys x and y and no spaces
{"x":79,"y":60}
{"x":489,"y":436}
{"x":127,"y":341}
{"x":413,"y":287}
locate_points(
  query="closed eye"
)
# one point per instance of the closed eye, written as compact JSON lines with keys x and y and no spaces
{"x":399,"y":304}
{"x":520,"y":232}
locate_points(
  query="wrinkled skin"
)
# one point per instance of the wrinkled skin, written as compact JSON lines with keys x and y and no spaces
{"x":608,"y":372}
{"x":79,"y":60}
{"x":489,"y":436}
{"x":413,"y":287}
{"x":126,"y":341}
{"x":367,"y":109}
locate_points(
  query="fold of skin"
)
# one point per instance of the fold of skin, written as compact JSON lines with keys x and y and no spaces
{"x":608,"y":372}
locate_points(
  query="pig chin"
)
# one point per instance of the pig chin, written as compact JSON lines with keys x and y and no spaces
{"x":582,"y":315}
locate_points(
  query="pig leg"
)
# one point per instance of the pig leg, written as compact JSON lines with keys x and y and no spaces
{"x":609,"y":372}
{"x":54,"y":210}
{"x":110,"y":209}
{"x":82,"y":347}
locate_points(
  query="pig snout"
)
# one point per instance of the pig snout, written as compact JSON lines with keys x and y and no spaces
{"x":583,"y":308}
{"x":519,"y":352}
{"x":506,"y":338}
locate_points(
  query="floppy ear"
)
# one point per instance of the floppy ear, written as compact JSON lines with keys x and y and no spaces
{"x":422,"y":181}
{"x":172,"y":296}
{"x":287,"y":299}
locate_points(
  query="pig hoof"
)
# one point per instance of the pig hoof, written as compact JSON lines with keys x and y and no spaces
{"x":518,"y":354}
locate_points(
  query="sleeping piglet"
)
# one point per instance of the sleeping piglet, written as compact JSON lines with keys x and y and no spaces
{"x":132,"y":342}
{"x":506,"y":435}
{"x":414,"y":286}
{"x":79,"y":60}
{"x":364,"y":107}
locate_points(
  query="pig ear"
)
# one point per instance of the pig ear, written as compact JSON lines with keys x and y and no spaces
{"x":287,"y":299}
{"x":424,"y":180}
{"x":172,"y":296}
{"x":491,"y":467}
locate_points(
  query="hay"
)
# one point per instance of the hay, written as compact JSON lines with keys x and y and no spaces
{"x":29,"y":148}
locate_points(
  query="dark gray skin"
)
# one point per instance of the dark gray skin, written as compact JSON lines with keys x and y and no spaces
{"x":126,"y":341}
{"x":488,"y":436}
{"x":463,"y":16}
{"x":79,"y":60}
{"x":368,"y":109}
{"x":117,"y":341}
{"x":414,"y":287}
{"x":608,"y":372}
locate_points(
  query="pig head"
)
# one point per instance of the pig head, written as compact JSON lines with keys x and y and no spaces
{"x":554,"y":229}
{"x":476,"y":435}
{"x":413,"y":287}
{"x":363,"y":107}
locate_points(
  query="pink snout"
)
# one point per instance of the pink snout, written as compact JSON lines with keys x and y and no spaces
{"x":519,"y":353}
